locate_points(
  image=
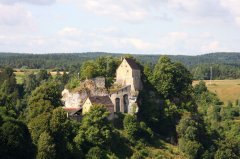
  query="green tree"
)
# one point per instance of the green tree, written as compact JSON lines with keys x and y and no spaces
{"x":44,"y":98}
{"x":131,"y":126}
{"x":48,"y":91}
{"x":102,"y":66}
{"x":189,"y":132}
{"x":190,"y":148}
{"x":227,"y":112}
{"x":88,"y":70}
{"x":15,"y":141}
{"x":65,"y":78}
{"x":172,"y":80}
{"x":7,"y":114}
{"x":73,"y":82}
{"x":148,"y":71}
{"x":95,"y":128}
{"x":42,"y":75}
{"x":46,"y":147}
{"x":200,"y":88}
{"x":212,"y":117}
{"x":59,"y":120}
{"x":61,"y":132}
{"x":228,"y":148}
{"x":9,"y":93}
{"x":229,"y":138}
{"x":38,"y":125}
{"x":95,"y":153}
{"x":7,"y":74}
{"x":30,"y":83}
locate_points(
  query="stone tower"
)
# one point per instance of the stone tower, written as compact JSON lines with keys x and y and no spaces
{"x":128,"y":73}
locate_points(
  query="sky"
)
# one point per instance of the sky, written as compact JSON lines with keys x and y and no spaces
{"x":178,"y":27}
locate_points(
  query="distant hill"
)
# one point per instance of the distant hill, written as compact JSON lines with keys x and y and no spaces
{"x":212,"y":58}
{"x":225,"y":65}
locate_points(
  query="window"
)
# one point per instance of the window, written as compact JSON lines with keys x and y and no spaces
{"x":126,"y":103}
{"x":117,"y":102}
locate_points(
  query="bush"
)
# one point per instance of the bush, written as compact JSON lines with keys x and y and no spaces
{"x":190,"y":148}
{"x":137,"y":155}
{"x":141,"y":154}
{"x":73,"y":83}
{"x":131,"y":126}
{"x":95,"y":153}
{"x":145,"y":132}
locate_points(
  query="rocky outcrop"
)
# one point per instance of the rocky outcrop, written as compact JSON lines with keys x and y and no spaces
{"x":76,"y":97}
{"x":72,"y":99}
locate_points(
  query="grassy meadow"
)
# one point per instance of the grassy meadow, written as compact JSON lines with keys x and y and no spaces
{"x":21,"y":73}
{"x":227,"y":90}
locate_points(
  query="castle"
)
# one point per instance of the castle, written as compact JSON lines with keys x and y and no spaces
{"x":129,"y":74}
{"x":123,"y":99}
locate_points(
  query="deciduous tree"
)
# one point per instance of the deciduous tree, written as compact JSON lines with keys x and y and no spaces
{"x":95,"y":128}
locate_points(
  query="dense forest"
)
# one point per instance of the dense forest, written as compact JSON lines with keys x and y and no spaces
{"x":34,"y":125}
{"x":224,"y":65}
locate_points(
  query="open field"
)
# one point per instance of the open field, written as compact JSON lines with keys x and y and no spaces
{"x":227,"y":90}
{"x":19,"y":77}
{"x":21,"y":73}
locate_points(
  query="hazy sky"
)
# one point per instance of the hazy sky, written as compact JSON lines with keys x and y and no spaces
{"x":128,"y":26}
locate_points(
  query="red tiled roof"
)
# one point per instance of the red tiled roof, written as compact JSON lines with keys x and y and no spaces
{"x":72,"y":110}
{"x":68,"y":108}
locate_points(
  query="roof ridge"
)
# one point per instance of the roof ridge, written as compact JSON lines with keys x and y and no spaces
{"x":132,"y":63}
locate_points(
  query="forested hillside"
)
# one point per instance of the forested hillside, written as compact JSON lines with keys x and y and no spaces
{"x":224,"y":65}
{"x":174,"y":119}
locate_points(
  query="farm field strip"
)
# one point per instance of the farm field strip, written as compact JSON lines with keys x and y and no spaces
{"x":21,"y":73}
{"x":227,"y":90}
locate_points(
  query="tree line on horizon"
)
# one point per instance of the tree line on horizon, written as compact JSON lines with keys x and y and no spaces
{"x":224,"y":65}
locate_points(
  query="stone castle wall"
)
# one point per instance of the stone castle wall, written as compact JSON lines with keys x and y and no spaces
{"x":119,"y":94}
{"x":127,"y":76}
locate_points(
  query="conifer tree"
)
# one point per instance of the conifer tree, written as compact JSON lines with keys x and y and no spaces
{"x":46,"y":147}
